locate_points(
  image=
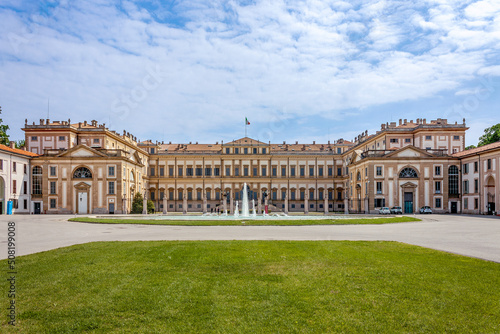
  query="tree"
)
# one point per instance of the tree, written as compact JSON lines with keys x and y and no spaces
{"x":491,"y":135}
{"x":137,"y":204}
{"x":4,"y":137}
{"x":470,"y":147}
{"x":20,"y":143}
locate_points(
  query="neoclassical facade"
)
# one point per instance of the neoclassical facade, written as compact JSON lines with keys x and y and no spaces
{"x":87,"y":168}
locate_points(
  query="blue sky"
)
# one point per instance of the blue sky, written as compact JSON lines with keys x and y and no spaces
{"x":185,"y":71}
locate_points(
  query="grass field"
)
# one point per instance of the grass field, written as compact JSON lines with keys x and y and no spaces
{"x":253,"y":287}
{"x":384,"y":220}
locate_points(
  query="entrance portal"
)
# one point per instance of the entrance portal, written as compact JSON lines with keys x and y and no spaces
{"x":408,"y":200}
{"x":82,"y":203}
{"x":454,"y":207}
{"x":37,"y":208}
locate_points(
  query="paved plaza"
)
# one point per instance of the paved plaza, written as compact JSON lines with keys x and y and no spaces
{"x":475,"y":236}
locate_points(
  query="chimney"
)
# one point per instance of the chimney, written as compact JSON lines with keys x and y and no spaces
{"x":12,"y":144}
{"x":382,"y":126}
{"x":425,"y":121}
{"x":42,"y":122}
{"x":400,"y":121}
{"x":405,"y":121}
{"x":314,"y":142}
{"x":328,"y":142}
{"x":284,"y":142}
{"x":297,"y":142}
{"x":84,"y":122}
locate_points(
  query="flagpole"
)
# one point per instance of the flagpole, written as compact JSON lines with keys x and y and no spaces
{"x":245,"y":127}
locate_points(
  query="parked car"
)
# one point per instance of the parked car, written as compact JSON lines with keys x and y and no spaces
{"x":396,"y":210}
{"x":425,"y":209}
{"x":384,"y":211}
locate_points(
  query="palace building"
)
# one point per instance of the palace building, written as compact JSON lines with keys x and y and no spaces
{"x":87,"y":168}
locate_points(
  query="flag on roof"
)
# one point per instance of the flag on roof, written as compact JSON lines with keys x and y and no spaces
{"x":246,"y":121}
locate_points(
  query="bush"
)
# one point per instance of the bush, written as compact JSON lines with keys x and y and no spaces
{"x":137,"y":204}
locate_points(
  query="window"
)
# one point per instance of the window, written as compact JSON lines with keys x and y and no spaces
{"x":53,"y":203}
{"x":379,"y":187}
{"x":198,"y":195}
{"x":476,"y":203}
{"x":162,"y":194}
{"x":366,"y":171}
{"x":428,"y":137}
{"x":302,"y":195}
{"x":96,"y":141}
{"x":264,"y":171}
{"x":292,"y":195}
{"x":189,"y":171}
{"x":162,"y":171}
{"x":466,"y":203}
{"x":236,"y":150}
{"x":179,"y":194}
{"x":339,"y":195}
{"x":236,"y":171}
{"x":407,"y":140}
{"x":283,"y":194}
{"x":34,"y":138}
{"x":170,"y":171}
{"x":1,"y":164}
{"x":456,"y":137}
{"x":475,"y":166}
{"x":292,"y":171}
{"x":379,"y":170}
{"x":311,"y":171}
{"x":245,"y":150}
{"x":437,"y":187}
{"x":171,"y":195}
{"x":358,"y":176}
{"x":14,"y":186}
{"x":393,"y":140}
{"x":111,"y":170}
{"x":302,"y":171}
{"x":465,"y":168}
{"x":25,"y":187}
{"x":339,"y":171}
{"x":453,"y":180}
{"x":62,"y":138}
{"x":199,"y":171}
{"x":14,"y":166}
{"x":111,"y":187}
{"x":227,"y":150}
{"x":466,"y":186}
{"x":408,"y":173}
{"x":36,"y":181}
{"x":25,"y":204}
{"x":190,"y":195}
{"x":82,"y":173}
{"x":53,"y":171}
{"x":245,"y":171}
{"x":25,"y":167}
{"x":208,"y":171}
{"x":255,"y":150}
{"x":437,"y":170}
{"x":152,"y":195}
{"x":52,"y":188}
{"x":275,"y":171}
{"x":216,"y":171}
{"x":438,"y":202}
{"x":489,"y":163}
{"x":275,"y":195}
{"x":320,"y":171}
{"x":255,"y":171}
{"x":339,"y":150}
{"x":379,"y":202}
{"x":179,"y":171}
{"x":152,"y":150}
{"x":217,"y":195}
{"x":228,"y":171}
{"x":320,"y":195}
{"x":476,"y":186}
{"x":152,"y":171}
{"x":263,"y":151}
{"x":283,"y":171}
{"x":209,"y":195}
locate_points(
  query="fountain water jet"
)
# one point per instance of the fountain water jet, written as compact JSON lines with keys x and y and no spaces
{"x":245,"y":212}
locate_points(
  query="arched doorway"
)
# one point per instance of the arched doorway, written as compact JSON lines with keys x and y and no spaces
{"x":490,"y":193}
{"x":2,"y":195}
{"x":408,"y":189}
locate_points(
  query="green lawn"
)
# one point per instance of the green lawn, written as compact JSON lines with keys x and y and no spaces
{"x":194,"y":222}
{"x":253,"y":287}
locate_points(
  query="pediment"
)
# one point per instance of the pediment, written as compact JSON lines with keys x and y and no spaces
{"x":409,"y":152}
{"x":82,"y":151}
{"x":408,"y":185}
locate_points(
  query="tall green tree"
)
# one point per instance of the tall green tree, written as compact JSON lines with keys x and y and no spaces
{"x":491,"y":135}
{"x":20,"y":143}
{"x":4,"y":137}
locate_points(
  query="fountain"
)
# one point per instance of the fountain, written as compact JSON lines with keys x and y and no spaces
{"x":244,"y":202}
{"x":254,"y":213}
{"x":236,"y":211}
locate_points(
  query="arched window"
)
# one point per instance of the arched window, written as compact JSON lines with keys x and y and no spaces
{"x":36,"y":180}
{"x":408,"y":173}
{"x":453,"y":180}
{"x":82,"y":173}
{"x":358,"y":176}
